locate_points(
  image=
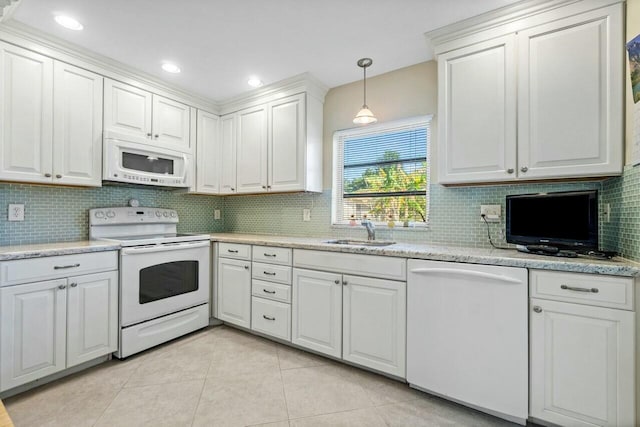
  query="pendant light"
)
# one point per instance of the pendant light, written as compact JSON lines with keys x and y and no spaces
{"x":365,"y":116}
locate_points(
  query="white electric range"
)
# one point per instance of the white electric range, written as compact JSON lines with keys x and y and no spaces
{"x":164,"y":276}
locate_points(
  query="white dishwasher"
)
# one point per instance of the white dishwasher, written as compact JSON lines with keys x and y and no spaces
{"x":467,"y":335}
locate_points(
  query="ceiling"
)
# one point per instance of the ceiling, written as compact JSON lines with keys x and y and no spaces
{"x":219,"y":44}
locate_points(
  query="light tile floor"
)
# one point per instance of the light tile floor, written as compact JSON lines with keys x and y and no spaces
{"x":224,"y":377}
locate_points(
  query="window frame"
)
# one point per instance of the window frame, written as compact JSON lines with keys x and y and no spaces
{"x":337,"y":199}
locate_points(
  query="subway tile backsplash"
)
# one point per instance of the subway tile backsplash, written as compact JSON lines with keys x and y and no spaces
{"x":60,"y":213}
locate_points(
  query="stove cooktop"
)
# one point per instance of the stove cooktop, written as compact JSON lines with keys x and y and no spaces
{"x":151,"y":239}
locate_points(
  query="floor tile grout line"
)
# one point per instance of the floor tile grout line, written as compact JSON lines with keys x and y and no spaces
{"x":284,"y":392}
{"x":195,"y":409}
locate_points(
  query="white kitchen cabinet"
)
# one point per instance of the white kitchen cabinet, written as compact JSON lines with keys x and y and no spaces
{"x":147,"y":118}
{"x":227,"y":154}
{"x":127,"y":109}
{"x":92,"y":319}
{"x":251,"y":148}
{"x":286,"y":148}
{"x":32,"y":331}
{"x":77,"y":126}
{"x":316,"y":320}
{"x":374,"y":315}
{"x":477,"y":105}
{"x":26,"y":115}
{"x":528,"y":101}
{"x":51,"y":120}
{"x":208,"y":153}
{"x":582,"y":364}
{"x":234,"y":291}
{"x":570,"y":98}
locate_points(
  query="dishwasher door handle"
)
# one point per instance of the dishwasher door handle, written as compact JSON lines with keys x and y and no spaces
{"x":469,"y":273}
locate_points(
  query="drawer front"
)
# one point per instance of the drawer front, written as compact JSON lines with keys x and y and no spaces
{"x":359,"y":265}
{"x":271,"y":273}
{"x":274,"y":291}
{"x":234,"y":250}
{"x":589,"y":289}
{"x":45,"y":268}
{"x":271,"y":318}
{"x":272,"y":255}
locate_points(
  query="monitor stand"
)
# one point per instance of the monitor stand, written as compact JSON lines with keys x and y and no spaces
{"x":546,"y":250}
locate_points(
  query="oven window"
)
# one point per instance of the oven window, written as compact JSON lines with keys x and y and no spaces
{"x":152,"y":164}
{"x":167,"y":280}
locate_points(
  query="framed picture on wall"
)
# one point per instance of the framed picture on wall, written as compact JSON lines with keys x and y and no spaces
{"x":633,"y":47}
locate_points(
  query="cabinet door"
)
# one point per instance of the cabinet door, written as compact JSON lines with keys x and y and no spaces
{"x":374,"y":324}
{"x":32,"y":332}
{"x":228,"y":154}
{"x":582,"y":364}
{"x":26,"y":130}
{"x":286,"y":141}
{"x":234,"y":291}
{"x":171,"y":123}
{"x":317,"y":311}
{"x":127,"y":110}
{"x":570,"y":120}
{"x":92,"y":320}
{"x":77,"y":126}
{"x":252,"y":150}
{"x":208,"y":154}
{"x":477,"y":113}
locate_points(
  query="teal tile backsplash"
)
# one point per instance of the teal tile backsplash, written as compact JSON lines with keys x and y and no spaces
{"x":55,"y":214}
{"x":60,"y":213}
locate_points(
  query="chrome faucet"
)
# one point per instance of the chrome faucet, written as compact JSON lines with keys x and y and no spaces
{"x":371,"y":229}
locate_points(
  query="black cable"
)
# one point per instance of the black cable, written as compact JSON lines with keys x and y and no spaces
{"x":484,"y":217}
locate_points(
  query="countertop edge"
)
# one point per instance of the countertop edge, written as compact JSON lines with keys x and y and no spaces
{"x":10,"y":253}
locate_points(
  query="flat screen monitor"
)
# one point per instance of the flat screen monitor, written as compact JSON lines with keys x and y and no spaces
{"x":566,"y":220}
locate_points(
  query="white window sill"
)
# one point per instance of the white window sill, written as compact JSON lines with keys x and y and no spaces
{"x":380,"y":226}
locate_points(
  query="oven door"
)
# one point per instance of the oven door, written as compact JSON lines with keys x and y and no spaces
{"x":162,"y":279}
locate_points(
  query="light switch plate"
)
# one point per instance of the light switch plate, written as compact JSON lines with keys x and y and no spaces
{"x":216,"y":214}
{"x":16,"y":212}
{"x":306,"y":214}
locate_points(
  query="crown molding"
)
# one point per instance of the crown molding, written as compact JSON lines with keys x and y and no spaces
{"x":7,"y":8}
{"x":505,"y":20}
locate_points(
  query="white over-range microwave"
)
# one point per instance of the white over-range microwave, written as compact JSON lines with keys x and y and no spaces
{"x":130,"y":161}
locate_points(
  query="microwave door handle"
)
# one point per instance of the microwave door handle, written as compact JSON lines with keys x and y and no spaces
{"x":185,"y":159}
{"x":163,"y":248}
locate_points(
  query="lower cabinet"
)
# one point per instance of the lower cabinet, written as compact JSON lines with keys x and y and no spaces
{"x":52,"y":325}
{"x":271,"y":318}
{"x":581,"y":364}
{"x":360,"y":319}
{"x":234,"y":291}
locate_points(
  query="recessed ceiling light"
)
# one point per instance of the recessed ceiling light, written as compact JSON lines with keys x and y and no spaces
{"x":170,"y":68}
{"x":255,"y":82}
{"x":68,"y":22}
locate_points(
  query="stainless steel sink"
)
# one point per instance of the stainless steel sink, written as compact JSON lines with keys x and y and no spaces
{"x":360,"y":242}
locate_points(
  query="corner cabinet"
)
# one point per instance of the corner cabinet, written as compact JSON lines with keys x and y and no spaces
{"x":543,"y":102}
{"x":50,"y":120}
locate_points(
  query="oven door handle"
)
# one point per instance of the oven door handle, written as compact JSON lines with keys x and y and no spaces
{"x":164,"y":248}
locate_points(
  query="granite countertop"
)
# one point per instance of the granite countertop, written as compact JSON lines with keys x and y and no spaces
{"x":52,"y":249}
{"x":503,"y":257}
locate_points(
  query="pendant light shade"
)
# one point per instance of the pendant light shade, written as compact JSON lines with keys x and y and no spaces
{"x":365,"y":116}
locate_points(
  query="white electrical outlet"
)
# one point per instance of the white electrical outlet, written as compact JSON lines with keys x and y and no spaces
{"x":16,"y":212}
{"x":606,"y":213}
{"x":491,"y":212}
{"x":216,"y":214}
{"x":306,"y":214}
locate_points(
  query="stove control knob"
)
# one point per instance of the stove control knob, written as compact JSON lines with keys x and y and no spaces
{"x":99,"y":214}
{"x":111,"y":214}
{"x":166,"y":214}
{"x":173,"y":214}
{"x":158,"y":214}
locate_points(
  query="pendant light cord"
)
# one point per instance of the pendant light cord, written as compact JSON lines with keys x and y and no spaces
{"x":365,"y":85}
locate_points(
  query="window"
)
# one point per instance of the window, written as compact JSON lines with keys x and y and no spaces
{"x":382,"y":171}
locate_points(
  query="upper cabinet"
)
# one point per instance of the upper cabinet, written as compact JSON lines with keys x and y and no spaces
{"x":273,"y":146}
{"x":148,"y":117}
{"x":50,"y":120}
{"x":207,"y":176}
{"x":540,"y":98}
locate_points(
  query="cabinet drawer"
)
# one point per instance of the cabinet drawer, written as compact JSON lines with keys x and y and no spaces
{"x":272,"y":255}
{"x":272,"y":273}
{"x":234,"y":250}
{"x":35,"y":269}
{"x":589,"y":289}
{"x":274,"y":291}
{"x":382,"y":267}
{"x":271,"y":318}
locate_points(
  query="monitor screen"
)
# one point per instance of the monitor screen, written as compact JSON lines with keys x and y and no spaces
{"x":564,"y":220}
